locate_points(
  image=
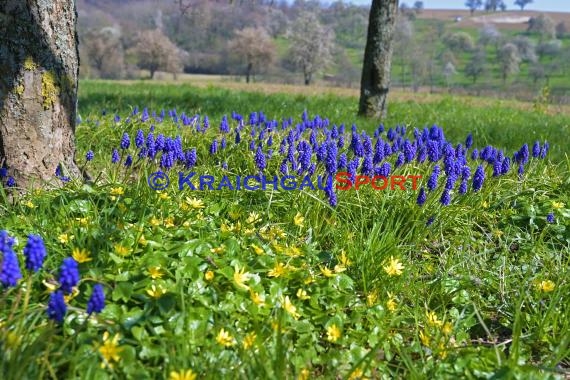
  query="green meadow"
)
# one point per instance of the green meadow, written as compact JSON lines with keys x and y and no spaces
{"x":283,"y":284}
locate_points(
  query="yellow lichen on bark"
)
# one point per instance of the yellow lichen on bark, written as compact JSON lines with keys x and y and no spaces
{"x":19,"y":90}
{"x":29,"y":64}
{"x":50,"y":89}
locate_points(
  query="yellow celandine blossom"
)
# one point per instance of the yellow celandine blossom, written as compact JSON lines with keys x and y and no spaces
{"x":394,"y":267}
{"x":155,"y":222}
{"x":485,"y":204}
{"x":186,"y":224}
{"x":155,"y":272}
{"x":257,"y":298}
{"x":442,"y":352}
{"x":424,"y":338}
{"x":302,"y":294}
{"x":117,"y":191}
{"x":122,"y":250}
{"x":110,"y":350}
{"x":240,"y":277}
{"x":447,"y":328}
{"x":51,"y":287}
{"x":278,"y":248}
{"x":64,"y":238}
{"x":163,"y":196}
{"x":299,"y":219}
{"x":184,"y":207}
{"x":278,"y":270}
{"x":344,"y":259}
{"x":219,"y":249}
{"x":74,"y":293}
{"x":391,"y":303}
{"x":277,"y":232}
{"x":333,"y":333}
{"x":80,"y":255}
{"x":293,"y":251}
{"x":432,"y":319}
{"x":289,"y":307}
{"x":169,"y":222}
{"x":309,"y":280}
{"x":234,"y":215}
{"x":209,"y":275}
{"x":82,"y":221}
{"x":546,"y":286}
{"x":156,"y":292}
{"x":558,"y":205}
{"x":122,"y":207}
{"x":371,"y":298}
{"x":195,"y":203}
{"x":225,"y":339}
{"x":339,"y":268}
{"x":327,"y":272}
{"x":183,"y":375}
{"x":258,"y":250}
{"x":30,"y":204}
{"x":199,"y":216}
{"x":304,"y":374}
{"x":357,"y":374}
{"x":142,"y":241}
{"x":253,"y":217}
{"x":249,"y":340}
{"x":249,"y":231}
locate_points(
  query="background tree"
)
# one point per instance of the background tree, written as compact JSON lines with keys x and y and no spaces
{"x":449,"y":72}
{"x":542,"y":25}
{"x":473,"y":5}
{"x":476,"y":65}
{"x":526,"y":48}
{"x":254,"y":48}
{"x":561,"y":30}
{"x":403,"y":36}
{"x":459,"y":42}
{"x":154,"y":51}
{"x":418,"y":7}
{"x":375,"y":82}
{"x":104,"y":52}
{"x":522,"y":3}
{"x":509,"y":60}
{"x":38,"y":89}
{"x":311,"y":45}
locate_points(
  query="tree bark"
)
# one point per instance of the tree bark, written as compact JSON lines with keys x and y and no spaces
{"x":38,"y":89}
{"x":375,"y":81}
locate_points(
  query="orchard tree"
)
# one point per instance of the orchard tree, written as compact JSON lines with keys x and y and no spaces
{"x":154,"y":51}
{"x":522,"y":3}
{"x":476,"y":65}
{"x":375,"y":81}
{"x":38,"y":89}
{"x":254,"y":48}
{"x":509,"y":60}
{"x":473,"y":5}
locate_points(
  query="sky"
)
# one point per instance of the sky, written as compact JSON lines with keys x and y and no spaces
{"x":537,"y":5}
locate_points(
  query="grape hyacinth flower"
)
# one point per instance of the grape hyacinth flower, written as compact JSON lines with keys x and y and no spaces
{"x":400,"y":160}
{"x":536,"y":149}
{"x":89,"y":155}
{"x":139,"y":139}
{"x":474,"y":154}
{"x":521,"y":170}
{"x":260,"y":159}
{"x":432,"y":182}
{"x":125,"y":141}
{"x":478,"y":178}
{"x":68,"y":275}
{"x":96,"y":302}
{"x":422,"y":197}
{"x":10,"y":269}
{"x":469,"y":141}
{"x":544,"y":150}
{"x":35,"y":253}
{"x":11,"y":182}
{"x":115,"y":156}
{"x":550,"y":218}
{"x":56,"y":307}
{"x":445,"y":198}
{"x":463,"y":187}
{"x":506,"y":165}
{"x":430,"y":221}
{"x":129,"y":161}
{"x":214,"y":147}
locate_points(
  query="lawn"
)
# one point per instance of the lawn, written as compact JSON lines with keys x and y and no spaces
{"x":465,"y":276}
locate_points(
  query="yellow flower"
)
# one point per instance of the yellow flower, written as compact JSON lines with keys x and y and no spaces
{"x":241,"y":276}
{"x":289,"y":307}
{"x":432,"y":319}
{"x":209,"y":275}
{"x":155,"y":272}
{"x":110,"y":350}
{"x":30,"y":204}
{"x":442,"y":351}
{"x":82,"y":221}
{"x":357,"y":374}
{"x":371,"y":298}
{"x":253,"y":217}
{"x":155,"y":292}
{"x":219,"y":249}
{"x":249,"y":340}
{"x":183,"y":375}
{"x":80,"y":255}
{"x":64,"y":238}
{"x":333,"y":333}
{"x":309,"y":280}
{"x":195,"y":203}
{"x":117,"y":191}
{"x":339,"y":268}
{"x":51,"y":287}
{"x":391,"y":303}
{"x":122,"y":250}
{"x":225,"y":339}
{"x":257,"y":250}
{"x":327,"y":272}
{"x":74,"y":293}
{"x":546,"y":286}
{"x":304,"y":374}
{"x":344,"y":259}
{"x":234,"y":215}
{"x":447,"y":328}
{"x":169,"y":222}
{"x":142,"y":241}
{"x":394,"y":267}
{"x":293,"y":251}
{"x":163,"y":196}
{"x":485,"y":204}
{"x":298,"y":219}
{"x":558,"y":205}
{"x":277,"y":271}
{"x":155,"y":222}
{"x":186,"y":224}
{"x":184,"y":207}
{"x":257,"y":298}
{"x":424,"y":338}
{"x":122,"y":207}
{"x":302,"y":294}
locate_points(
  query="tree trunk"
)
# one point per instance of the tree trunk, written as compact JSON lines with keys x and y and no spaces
{"x":38,"y":89}
{"x":375,"y":81}
{"x":248,"y":72}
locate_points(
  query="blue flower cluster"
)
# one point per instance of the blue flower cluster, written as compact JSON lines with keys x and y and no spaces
{"x":313,"y":145}
{"x":34,"y":256}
